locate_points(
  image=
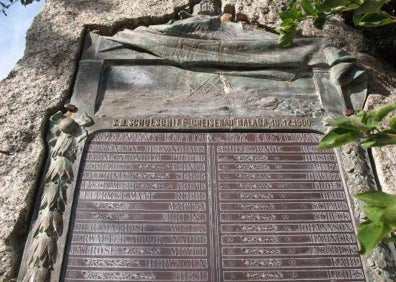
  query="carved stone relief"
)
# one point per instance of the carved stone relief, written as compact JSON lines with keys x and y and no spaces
{"x":65,"y":139}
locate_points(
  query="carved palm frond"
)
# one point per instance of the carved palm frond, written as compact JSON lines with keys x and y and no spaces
{"x":65,"y":146}
{"x":44,"y":251}
{"x":58,"y":223}
{"x":49,"y":198}
{"x":37,"y":274}
{"x":60,"y":168}
{"x":46,"y":224}
{"x":54,"y":196}
{"x":51,"y":223}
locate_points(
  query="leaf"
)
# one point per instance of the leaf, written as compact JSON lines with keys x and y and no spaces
{"x":372,"y":19}
{"x":370,"y":234}
{"x":376,"y":198}
{"x":291,"y":15}
{"x":328,"y":5}
{"x":369,"y":6}
{"x":287,"y":33}
{"x":307,"y":7}
{"x":320,"y":20}
{"x":389,"y":215}
{"x":335,"y":6}
{"x":294,"y":13}
{"x":354,"y":123}
{"x":338,"y":137}
{"x":373,"y":213}
{"x":379,"y":139}
{"x":379,"y":113}
{"x":290,"y":3}
{"x":392,"y":123}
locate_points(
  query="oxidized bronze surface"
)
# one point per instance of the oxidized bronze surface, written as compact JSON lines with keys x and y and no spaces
{"x":210,"y":207}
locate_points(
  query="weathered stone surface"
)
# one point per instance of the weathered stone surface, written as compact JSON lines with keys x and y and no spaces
{"x":41,"y":82}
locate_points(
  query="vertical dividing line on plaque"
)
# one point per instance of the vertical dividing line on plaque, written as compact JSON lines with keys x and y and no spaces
{"x":216,"y":214}
{"x":211,"y":274}
{"x":214,"y":267}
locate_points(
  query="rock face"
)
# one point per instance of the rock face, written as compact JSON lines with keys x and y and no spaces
{"x":42,"y":81}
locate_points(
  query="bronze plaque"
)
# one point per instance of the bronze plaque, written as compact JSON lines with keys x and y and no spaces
{"x":210,"y":207}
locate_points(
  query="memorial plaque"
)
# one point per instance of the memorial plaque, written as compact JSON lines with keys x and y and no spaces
{"x":210,"y":207}
{"x":188,"y":153}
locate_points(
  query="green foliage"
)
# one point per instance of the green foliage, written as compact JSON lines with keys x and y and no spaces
{"x":366,"y":13}
{"x":380,"y":207}
{"x":380,"y":210}
{"x":364,"y":126}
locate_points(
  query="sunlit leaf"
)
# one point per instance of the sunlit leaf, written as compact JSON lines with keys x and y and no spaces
{"x":290,"y":15}
{"x":379,"y":139}
{"x":374,"y":213}
{"x":379,"y":113}
{"x":354,"y":123}
{"x":376,"y":198}
{"x":389,"y":215}
{"x":338,"y":137}
{"x":370,"y":234}
{"x":392,"y":123}
{"x":334,"y":6}
{"x":287,"y":33}
{"x":294,"y":13}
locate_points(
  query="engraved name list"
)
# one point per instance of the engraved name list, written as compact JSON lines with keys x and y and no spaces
{"x":210,"y":207}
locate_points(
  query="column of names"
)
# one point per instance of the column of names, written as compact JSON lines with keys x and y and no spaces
{"x":142,"y":210}
{"x":283,"y":211}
